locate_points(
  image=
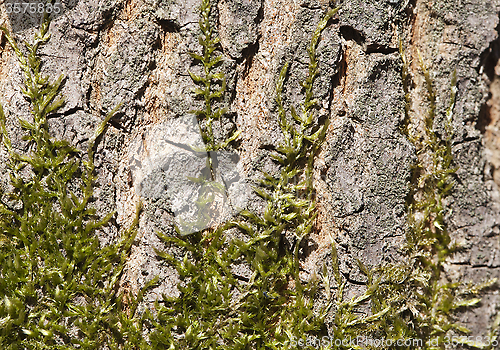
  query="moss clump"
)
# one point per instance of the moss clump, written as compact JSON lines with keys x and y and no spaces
{"x":271,"y":307}
{"x":58,"y":286}
{"x":422,"y":304}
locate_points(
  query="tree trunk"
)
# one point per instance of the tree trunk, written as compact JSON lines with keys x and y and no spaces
{"x":137,"y":52}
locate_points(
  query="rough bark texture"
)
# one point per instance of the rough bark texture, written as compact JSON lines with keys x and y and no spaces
{"x":136,"y":52}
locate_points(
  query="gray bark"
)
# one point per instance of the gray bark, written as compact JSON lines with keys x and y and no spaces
{"x":136,"y":52}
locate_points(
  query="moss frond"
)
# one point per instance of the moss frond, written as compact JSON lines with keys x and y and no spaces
{"x":212,"y":83}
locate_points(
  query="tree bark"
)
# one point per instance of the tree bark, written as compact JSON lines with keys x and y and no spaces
{"x":136,"y":52}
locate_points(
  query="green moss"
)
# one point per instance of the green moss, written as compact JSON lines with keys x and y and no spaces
{"x":211,"y":88}
{"x":58,"y":285}
{"x":212,"y":83}
{"x":272,"y":307}
{"x":422,"y":305}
